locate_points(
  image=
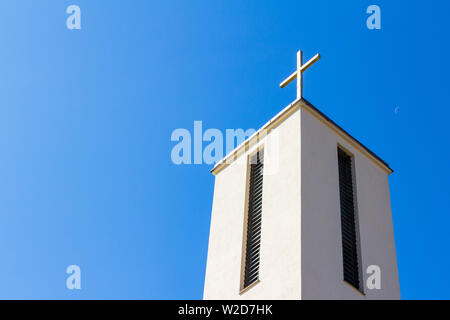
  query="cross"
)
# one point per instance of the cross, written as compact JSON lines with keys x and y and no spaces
{"x":299,"y":73}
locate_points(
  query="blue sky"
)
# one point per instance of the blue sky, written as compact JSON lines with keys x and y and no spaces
{"x":86,"y":118}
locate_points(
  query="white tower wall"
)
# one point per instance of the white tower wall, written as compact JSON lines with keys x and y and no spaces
{"x":301,"y":248}
{"x":322,"y":267}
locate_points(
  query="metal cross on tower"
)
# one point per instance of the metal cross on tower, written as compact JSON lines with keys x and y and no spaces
{"x":299,"y":73}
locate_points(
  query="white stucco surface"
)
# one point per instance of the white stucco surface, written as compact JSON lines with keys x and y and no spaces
{"x":322,"y":267}
{"x":280,"y":230}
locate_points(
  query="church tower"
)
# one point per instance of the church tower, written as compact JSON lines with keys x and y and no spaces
{"x":301,"y":210}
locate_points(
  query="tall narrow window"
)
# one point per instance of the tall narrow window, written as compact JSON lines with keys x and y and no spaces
{"x":348,"y":219}
{"x":251,"y":273}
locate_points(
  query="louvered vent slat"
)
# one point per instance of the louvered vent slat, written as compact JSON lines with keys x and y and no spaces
{"x":348,"y":226}
{"x":254,"y":220}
